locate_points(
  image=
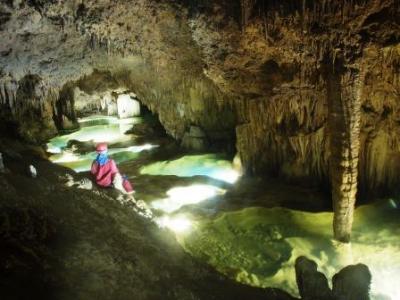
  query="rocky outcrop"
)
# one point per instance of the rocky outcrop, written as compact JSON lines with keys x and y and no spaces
{"x":351,"y":283}
{"x":312,"y":284}
{"x":29,"y":100}
{"x":62,"y":242}
{"x":195,"y":139}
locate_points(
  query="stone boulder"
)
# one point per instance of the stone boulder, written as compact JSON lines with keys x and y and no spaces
{"x":351,"y":283}
{"x":142,"y":129}
{"x":80,"y":147}
{"x":312,"y":284}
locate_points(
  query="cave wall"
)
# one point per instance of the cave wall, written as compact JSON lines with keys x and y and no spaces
{"x":252,"y":71}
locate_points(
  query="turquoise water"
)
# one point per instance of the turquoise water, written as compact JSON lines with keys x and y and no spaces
{"x":193,"y":165}
{"x":259,"y":246}
{"x":256,"y":246}
{"x":112,"y":130}
{"x":93,"y":130}
{"x":96,"y":129}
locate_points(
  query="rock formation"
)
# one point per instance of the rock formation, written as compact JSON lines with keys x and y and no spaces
{"x":351,"y":283}
{"x":312,"y":284}
{"x":307,"y":90}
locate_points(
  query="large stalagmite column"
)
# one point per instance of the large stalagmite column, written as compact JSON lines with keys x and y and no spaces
{"x":344,"y":86}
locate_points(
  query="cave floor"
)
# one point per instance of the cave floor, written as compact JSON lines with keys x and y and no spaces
{"x":249,"y":229}
{"x":60,"y":242}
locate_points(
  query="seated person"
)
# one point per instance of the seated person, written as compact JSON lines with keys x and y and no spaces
{"x":106,"y":173}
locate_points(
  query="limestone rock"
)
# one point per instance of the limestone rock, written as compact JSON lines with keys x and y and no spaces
{"x":85,"y":184}
{"x":195,"y":139}
{"x":32,"y":171}
{"x":193,"y":143}
{"x":352,"y":283}
{"x":257,"y":68}
{"x":80,"y":147}
{"x":196,"y":132}
{"x":312,"y":284}
{"x":142,"y":129}
{"x":127,"y":107}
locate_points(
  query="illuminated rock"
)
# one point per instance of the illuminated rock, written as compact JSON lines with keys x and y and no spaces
{"x":32,"y":171}
{"x":241,"y":68}
{"x":127,"y":107}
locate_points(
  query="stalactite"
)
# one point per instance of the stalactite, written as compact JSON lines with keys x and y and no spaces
{"x":246,"y":10}
{"x":8,"y":93}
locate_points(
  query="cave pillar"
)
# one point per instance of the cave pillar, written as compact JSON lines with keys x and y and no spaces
{"x":344,"y":86}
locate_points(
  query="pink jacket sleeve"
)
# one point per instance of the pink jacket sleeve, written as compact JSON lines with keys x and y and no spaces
{"x":94,"y":168}
{"x":114,"y":168}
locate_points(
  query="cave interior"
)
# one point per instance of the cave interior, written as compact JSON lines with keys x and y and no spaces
{"x":261,"y":137}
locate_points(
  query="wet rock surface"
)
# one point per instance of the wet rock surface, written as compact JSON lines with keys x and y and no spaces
{"x":304,"y":91}
{"x":61,"y":242}
{"x":312,"y":284}
{"x":352,"y":282}
{"x":254,"y":70}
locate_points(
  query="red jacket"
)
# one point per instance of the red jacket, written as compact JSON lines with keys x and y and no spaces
{"x":104,"y":174}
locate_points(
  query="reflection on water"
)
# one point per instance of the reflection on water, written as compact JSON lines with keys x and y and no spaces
{"x":259,"y":246}
{"x":83,"y":162}
{"x":179,"y":224}
{"x":95,"y":129}
{"x":191,"y":165}
{"x":181,"y":196}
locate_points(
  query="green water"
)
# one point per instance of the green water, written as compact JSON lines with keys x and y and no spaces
{"x":254,"y":245}
{"x":193,"y":165}
{"x":96,"y":129}
{"x":259,"y":246}
{"x":93,"y":130}
{"x":112,"y":130}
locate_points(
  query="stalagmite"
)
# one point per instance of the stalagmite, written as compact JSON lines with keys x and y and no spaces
{"x":344,"y":114}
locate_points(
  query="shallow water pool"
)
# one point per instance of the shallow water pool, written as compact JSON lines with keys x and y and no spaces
{"x":259,"y":246}
{"x":194,"y":165}
{"x":256,"y":246}
{"x":93,"y":130}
